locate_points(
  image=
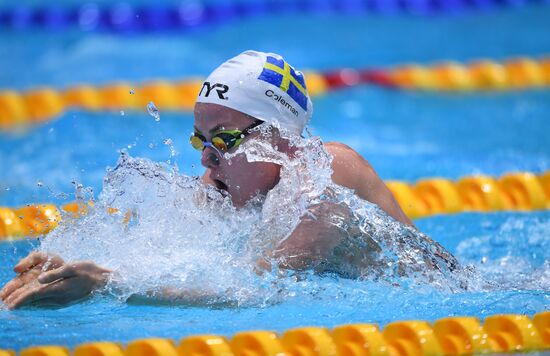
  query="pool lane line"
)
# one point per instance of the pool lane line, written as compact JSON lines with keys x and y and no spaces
{"x":21,"y":110}
{"x":514,"y":191}
{"x":457,"y":335}
{"x":189,"y":17}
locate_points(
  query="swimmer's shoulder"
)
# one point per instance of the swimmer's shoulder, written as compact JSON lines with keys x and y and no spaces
{"x":349,"y":167}
{"x":351,"y":170}
{"x":342,"y":151}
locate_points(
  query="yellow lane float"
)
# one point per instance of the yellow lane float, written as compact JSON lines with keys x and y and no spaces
{"x":20,"y":109}
{"x":520,"y":191}
{"x":460,"y":335}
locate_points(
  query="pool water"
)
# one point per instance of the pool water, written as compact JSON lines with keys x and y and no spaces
{"x":404,"y":135}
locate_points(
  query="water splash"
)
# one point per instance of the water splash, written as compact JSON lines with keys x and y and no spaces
{"x":515,"y":255}
{"x":153,"y":111}
{"x":170,"y":233}
{"x":168,"y":142}
{"x":375,"y":247}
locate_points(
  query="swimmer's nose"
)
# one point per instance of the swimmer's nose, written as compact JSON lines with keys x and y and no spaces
{"x":209,"y":158}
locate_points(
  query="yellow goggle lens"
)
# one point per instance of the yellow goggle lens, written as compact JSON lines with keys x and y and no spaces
{"x":219,"y":143}
{"x":196,"y":143}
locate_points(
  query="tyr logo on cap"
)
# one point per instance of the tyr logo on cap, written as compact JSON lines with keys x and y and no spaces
{"x":220,"y":89}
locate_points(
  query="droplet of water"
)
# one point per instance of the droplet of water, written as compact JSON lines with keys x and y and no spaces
{"x":168,"y":142}
{"x":39,"y":184}
{"x":132,"y":91}
{"x":153,"y":111}
{"x":151,"y":146}
{"x":122,"y":113}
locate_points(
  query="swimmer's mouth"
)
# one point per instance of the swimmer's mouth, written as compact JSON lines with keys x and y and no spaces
{"x":220,"y":185}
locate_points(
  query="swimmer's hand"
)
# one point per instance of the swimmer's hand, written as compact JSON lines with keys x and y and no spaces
{"x":47,"y":280}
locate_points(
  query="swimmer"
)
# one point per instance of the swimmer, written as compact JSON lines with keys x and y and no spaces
{"x":244,"y":94}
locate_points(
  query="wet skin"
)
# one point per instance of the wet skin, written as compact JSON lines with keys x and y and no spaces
{"x":48,"y":280}
{"x":243,"y":180}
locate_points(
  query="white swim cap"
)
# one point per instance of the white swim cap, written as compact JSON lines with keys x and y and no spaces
{"x":261,"y":85}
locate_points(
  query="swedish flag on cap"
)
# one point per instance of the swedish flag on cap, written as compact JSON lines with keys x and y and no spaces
{"x":261,"y":85}
{"x":281,"y":74}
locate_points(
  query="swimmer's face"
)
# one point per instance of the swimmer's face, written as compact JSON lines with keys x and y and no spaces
{"x":243,"y":180}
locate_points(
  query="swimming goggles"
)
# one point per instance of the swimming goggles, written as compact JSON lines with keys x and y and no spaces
{"x":222,"y":140}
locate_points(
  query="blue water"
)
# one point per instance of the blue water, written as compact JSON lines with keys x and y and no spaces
{"x":405,"y":136}
{"x":318,"y":301}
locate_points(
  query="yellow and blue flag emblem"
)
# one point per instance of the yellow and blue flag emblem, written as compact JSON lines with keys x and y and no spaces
{"x":282,"y":75}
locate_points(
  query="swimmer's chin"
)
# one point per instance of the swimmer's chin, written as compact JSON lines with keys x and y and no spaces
{"x":221,"y":187}
{"x":237,"y":200}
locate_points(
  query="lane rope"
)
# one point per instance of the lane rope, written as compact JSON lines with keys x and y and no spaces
{"x":518,"y":191}
{"x":126,"y":18}
{"x":21,"y":109}
{"x":503,"y":333}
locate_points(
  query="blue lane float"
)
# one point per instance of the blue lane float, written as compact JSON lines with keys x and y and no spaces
{"x":125,"y":17}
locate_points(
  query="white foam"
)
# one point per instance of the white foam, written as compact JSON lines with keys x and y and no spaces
{"x":183,"y":236}
{"x":514,"y":256}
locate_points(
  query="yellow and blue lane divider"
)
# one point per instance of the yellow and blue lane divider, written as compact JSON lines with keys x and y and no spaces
{"x":127,"y":18}
{"x":519,"y":191}
{"x":21,"y":109}
{"x":505,"y":333}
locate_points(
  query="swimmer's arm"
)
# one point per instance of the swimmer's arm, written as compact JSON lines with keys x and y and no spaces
{"x":315,"y":237}
{"x":353,"y":171}
{"x":174,"y":296}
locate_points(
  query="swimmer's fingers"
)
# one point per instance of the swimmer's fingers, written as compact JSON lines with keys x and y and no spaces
{"x":18,"y":282}
{"x":10,"y":287}
{"x":36,"y":295}
{"x":38,"y":259}
{"x":63,"y":285}
{"x":60,"y":292}
{"x":33,"y":259}
{"x":67,"y":271}
{"x":87,"y":270}
{"x":28,"y":270}
{"x":23,"y":295}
